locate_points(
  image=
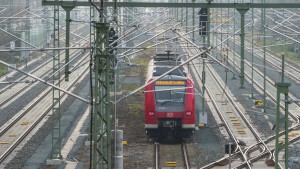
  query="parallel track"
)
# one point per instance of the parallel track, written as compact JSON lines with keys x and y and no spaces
{"x":18,"y":138}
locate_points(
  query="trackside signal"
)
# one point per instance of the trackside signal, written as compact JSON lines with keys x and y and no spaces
{"x":203,"y":18}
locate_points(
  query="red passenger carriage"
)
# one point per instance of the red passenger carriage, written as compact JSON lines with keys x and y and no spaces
{"x":169,"y":101}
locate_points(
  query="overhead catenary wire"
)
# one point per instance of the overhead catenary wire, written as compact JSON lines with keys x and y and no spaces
{"x":44,"y":81}
{"x":161,"y":76}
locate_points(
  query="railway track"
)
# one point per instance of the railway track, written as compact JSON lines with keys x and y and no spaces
{"x":271,"y":90}
{"x":12,"y":90}
{"x":270,"y":141}
{"x":230,"y":113}
{"x":261,"y":144}
{"x":275,"y":63}
{"x":292,"y":73}
{"x":20,"y":127}
{"x":15,"y":89}
{"x":171,"y":155}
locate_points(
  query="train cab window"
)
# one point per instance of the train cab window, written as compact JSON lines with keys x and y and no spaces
{"x":169,"y":98}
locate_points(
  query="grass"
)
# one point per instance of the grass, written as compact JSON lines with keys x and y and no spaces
{"x":3,"y":69}
{"x":288,"y":50}
{"x":135,"y":108}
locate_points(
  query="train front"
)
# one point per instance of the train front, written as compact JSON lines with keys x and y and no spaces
{"x":170,"y":108}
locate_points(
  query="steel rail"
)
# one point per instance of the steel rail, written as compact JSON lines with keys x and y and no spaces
{"x":290,"y":129}
{"x":143,"y":33}
{"x":23,"y":88}
{"x":60,"y":27}
{"x":148,"y":47}
{"x":170,"y":39}
{"x":151,"y":38}
{"x":24,"y":77}
{"x":295,"y":117}
{"x":45,"y":82}
{"x":32,"y":71}
{"x":161,"y":76}
{"x":258,"y":157}
{"x":217,"y":108}
{"x":259,"y":139}
{"x":228,"y":129}
{"x":30,"y":106}
{"x":291,"y":74}
{"x":185,"y":156}
{"x":239,"y":111}
{"x":269,"y":80}
{"x":156,"y":155}
{"x":25,"y":134}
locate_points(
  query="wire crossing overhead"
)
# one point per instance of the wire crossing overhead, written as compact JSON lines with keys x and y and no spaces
{"x":178,"y":5}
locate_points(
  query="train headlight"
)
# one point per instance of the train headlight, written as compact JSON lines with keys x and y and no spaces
{"x":151,"y":113}
{"x":188,"y":113}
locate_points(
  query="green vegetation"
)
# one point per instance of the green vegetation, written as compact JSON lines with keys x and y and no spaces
{"x":135,"y":108}
{"x":148,"y":52}
{"x":3,"y":69}
{"x":128,"y":87}
{"x":288,"y":50}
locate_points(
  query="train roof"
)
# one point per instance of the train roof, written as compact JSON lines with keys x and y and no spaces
{"x":166,"y":56}
{"x":163,"y":62}
{"x":173,"y":77}
{"x":159,"y":70}
{"x":167,"y":63}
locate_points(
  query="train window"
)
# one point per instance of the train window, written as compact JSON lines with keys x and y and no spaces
{"x":169,"y":98}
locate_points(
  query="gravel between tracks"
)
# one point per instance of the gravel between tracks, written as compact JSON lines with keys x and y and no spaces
{"x":206,"y":146}
{"x":38,"y":147}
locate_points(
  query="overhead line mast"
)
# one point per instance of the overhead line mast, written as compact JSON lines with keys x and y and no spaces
{"x":103,"y":63}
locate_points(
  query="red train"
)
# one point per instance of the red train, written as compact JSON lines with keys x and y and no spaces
{"x":170,"y":101}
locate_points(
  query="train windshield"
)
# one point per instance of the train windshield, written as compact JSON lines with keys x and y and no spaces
{"x":169,"y":98}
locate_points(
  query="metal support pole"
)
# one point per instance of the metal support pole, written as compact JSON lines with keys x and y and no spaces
{"x":27,"y":30}
{"x":186,"y":18}
{"x":264,"y":49}
{"x":282,"y":69}
{"x":208,"y":24}
{"x":181,"y":12}
{"x":193,"y":39}
{"x":92,"y":78}
{"x":261,"y":16}
{"x":203,"y":79}
{"x":234,"y":52}
{"x":117,"y":153}
{"x":47,"y":26}
{"x":96,"y":114}
{"x":119,"y":149}
{"x":68,"y":10}
{"x":282,"y":88}
{"x":229,"y":163}
{"x":101,"y":79}
{"x":56,"y":137}
{"x":252,"y":52}
{"x":101,"y":134}
{"x":177,"y":12}
{"x":242,"y":11}
{"x":221,"y":34}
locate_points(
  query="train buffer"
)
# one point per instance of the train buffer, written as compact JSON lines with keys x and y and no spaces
{"x":171,"y":164}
